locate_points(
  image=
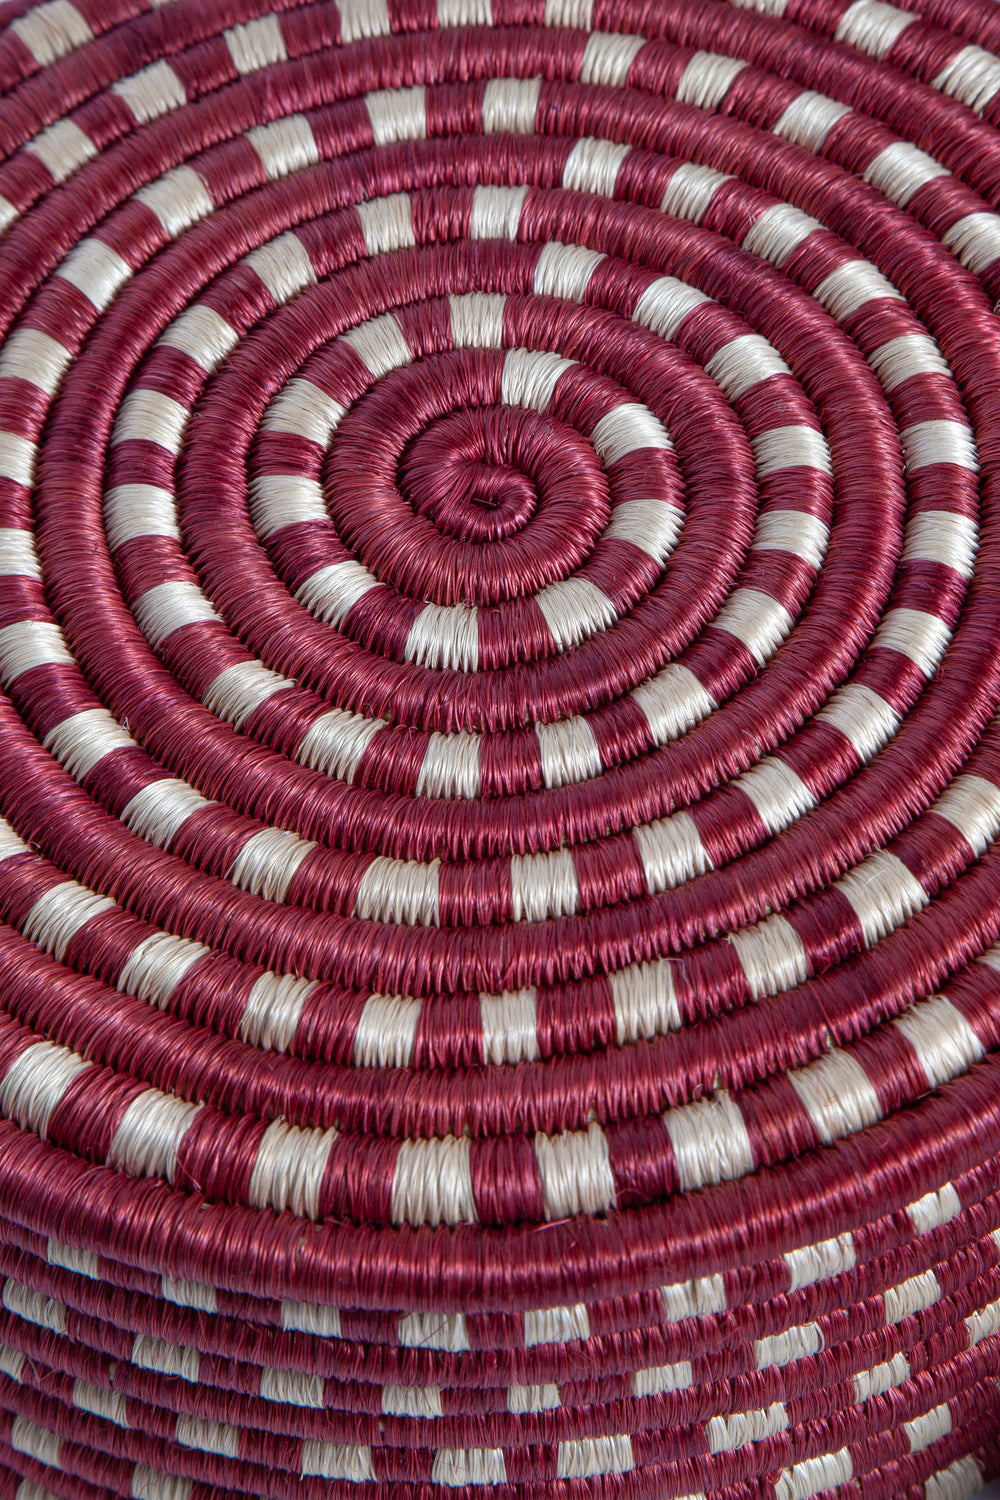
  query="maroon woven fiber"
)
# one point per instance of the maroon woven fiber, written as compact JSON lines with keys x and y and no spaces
{"x":499,"y":749}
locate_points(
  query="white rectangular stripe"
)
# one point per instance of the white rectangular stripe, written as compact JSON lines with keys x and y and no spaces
{"x":280,"y":500}
{"x":289,"y":1168}
{"x":397,"y":115}
{"x":837,"y":1095}
{"x":884,"y":894}
{"x":386,"y":1032}
{"x":149,"y":1135}
{"x":152,"y":92}
{"x":255,"y":45}
{"x":286,"y":146}
{"x":363,"y":18}
{"x":945,"y":1043}
{"x":52,"y":30}
{"x":575,"y":1170}
{"x":433,"y":1182}
{"x":644,"y":1000}
{"x":283,"y":266}
{"x":62,"y":148}
{"x":709,"y":1140}
{"x":510,"y":1027}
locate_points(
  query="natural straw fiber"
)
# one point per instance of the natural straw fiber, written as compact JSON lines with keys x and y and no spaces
{"x":499,"y":755}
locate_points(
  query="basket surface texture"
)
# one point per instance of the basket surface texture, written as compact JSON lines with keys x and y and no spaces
{"x":499,"y":749}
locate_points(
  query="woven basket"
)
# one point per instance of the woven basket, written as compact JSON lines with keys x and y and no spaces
{"x":499,"y":776}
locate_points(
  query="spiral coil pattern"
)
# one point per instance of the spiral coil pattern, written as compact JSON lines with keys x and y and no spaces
{"x":499,"y":776}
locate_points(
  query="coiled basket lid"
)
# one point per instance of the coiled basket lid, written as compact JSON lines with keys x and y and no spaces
{"x":500,"y":641}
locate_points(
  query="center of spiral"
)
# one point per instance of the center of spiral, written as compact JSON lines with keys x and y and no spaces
{"x":461,"y":475}
{"x":462,"y":504}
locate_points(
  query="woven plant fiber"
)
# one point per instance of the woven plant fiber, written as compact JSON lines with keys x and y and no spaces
{"x":499,"y":755}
